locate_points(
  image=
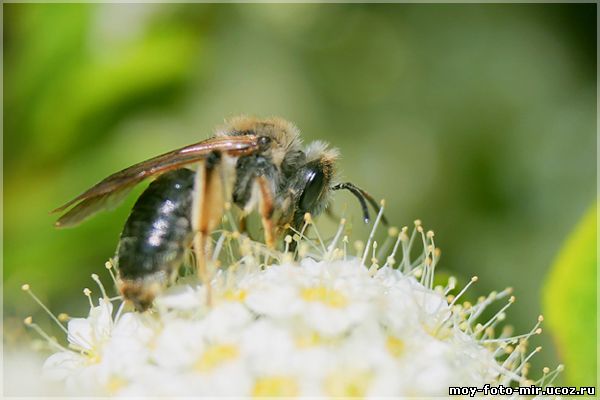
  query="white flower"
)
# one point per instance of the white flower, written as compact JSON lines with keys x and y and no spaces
{"x":326,"y":325}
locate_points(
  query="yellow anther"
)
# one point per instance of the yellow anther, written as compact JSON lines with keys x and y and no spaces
{"x":275,"y":386}
{"x":327,"y":296}
{"x":394,"y":346}
{"x":307,"y":218}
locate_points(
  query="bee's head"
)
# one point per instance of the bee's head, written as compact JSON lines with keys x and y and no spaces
{"x":312,"y":179}
{"x":313,"y":185}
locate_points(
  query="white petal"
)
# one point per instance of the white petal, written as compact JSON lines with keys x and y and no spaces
{"x":81,"y":333}
{"x":60,"y":365}
{"x":181,"y":297}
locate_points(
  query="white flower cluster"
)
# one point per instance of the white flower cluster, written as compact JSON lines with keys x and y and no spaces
{"x":326,"y":325}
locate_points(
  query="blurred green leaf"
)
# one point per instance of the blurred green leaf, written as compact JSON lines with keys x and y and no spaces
{"x":570,"y":302}
{"x":444,"y":110}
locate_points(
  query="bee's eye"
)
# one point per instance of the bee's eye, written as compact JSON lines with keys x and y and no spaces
{"x":264,"y":142}
{"x":312,"y":190}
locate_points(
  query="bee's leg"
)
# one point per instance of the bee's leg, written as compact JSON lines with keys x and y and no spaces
{"x":243,"y":223}
{"x":266,"y":208}
{"x":207,"y":211}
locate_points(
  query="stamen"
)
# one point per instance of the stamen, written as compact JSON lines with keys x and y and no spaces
{"x":230,"y":218}
{"x":491,"y":320}
{"x":392,"y":233}
{"x":434,"y":254}
{"x":416,"y":271}
{"x":552,"y":375}
{"x":406,"y":249}
{"x":302,"y":249}
{"x":27,"y":288}
{"x":540,"y":382}
{"x":489,"y":332}
{"x":109,"y":265}
{"x":524,"y":362}
{"x":288,"y":241}
{"x":359,"y":247}
{"x":52,"y":341}
{"x":374,"y":258}
{"x":299,"y":236}
{"x":451,"y":285}
{"x":510,"y":361}
{"x":473,"y":280}
{"x":373,"y":269}
{"x":428,"y":277}
{"x":97,"y":280}
{"x":406,"y":246}
{"x":338,"y":233}
{"x":301,"y":233}
{"x":391,"y":258}
{"x":320,"y":241}
{"x":234,"y":237}
{"x":500,"y":350}
{"x":119,"y":311}
{"x":372,"y":234}
{"x":512,"y":339}
{"x":88,"y":293}
{"x":483,"y":303}
{"x":507,"y":375}
{"x":218,"y":247}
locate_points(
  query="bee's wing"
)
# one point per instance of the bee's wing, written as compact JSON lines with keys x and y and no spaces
{"x":113,"y":189}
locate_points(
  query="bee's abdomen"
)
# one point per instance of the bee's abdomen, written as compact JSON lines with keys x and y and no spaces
{"x":158,"y":230}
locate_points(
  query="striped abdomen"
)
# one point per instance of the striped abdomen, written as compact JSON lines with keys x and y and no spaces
{"x":155,"y":237}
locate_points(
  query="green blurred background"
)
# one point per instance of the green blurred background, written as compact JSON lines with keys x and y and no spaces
{"x":478,"y":119}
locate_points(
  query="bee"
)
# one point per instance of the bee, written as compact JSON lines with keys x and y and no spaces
{"x":256,"y":164}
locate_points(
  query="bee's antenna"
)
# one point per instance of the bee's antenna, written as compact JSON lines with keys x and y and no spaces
{"x":361,"y":195}
{"x":376,"y":206}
